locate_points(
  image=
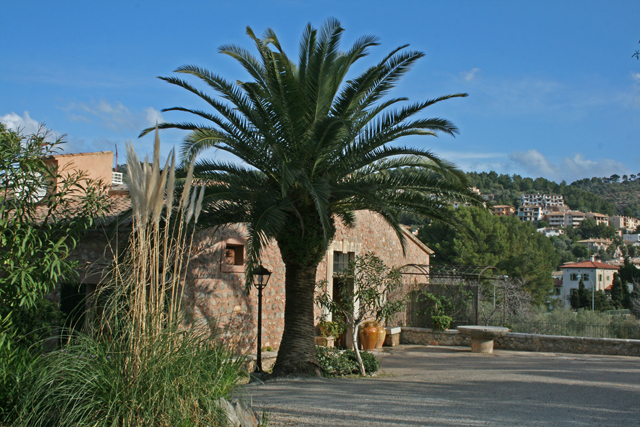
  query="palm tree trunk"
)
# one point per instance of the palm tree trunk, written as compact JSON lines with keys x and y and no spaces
{"x":297,"y":353}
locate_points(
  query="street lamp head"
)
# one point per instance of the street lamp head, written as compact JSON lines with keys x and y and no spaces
{"x":261,"y":277}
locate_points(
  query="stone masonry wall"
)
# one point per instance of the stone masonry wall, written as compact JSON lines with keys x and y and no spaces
{"x":215,"y":294}
{"x":558,"y":344}
{"x":527,"y":342}
{"x":219,"y":299}
{"x":425,"y":336}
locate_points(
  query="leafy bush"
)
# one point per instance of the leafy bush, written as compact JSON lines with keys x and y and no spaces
{"x":14,"y":369}
{"x":34,"y":248}
{"x":441,"y":322}
{"x":336,"y":362}
{"x":370,"y":361}
{"x":32,"y":324}
{"x":139,"y":363}
{"x":331,"y":329}
{"x":184,"y":375}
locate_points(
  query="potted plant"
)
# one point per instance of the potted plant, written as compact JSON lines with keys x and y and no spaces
{"x":439,"y":317}
{"x":367,"y":298}
{"x":330,"y":332}
{"x":389,"y":308}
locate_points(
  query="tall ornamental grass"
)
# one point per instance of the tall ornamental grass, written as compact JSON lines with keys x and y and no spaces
{"x":137,"y":364}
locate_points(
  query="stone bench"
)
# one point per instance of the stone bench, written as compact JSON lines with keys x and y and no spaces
{"x":393,"y":336}
{"x":482,"y":336}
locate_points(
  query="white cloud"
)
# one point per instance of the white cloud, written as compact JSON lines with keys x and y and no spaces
{"x":579,"y":167}
{"x":25,"y":123}
{"x":115,"y":116}
{"x":453,"y":155}
{"x":635,"y":76}
{"x":153,"y":116}
{"x":470,"y":75}
{"x":535,"y":164}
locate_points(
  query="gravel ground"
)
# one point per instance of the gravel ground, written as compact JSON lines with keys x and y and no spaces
{"x":450,"y":386}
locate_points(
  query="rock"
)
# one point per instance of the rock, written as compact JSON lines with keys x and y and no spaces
{"x":239,"y":413}
{"x":246,"y":414}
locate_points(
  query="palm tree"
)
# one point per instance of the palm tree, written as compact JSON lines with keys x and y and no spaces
{"x":313,"y":149}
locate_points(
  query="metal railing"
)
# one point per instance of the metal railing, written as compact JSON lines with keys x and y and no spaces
{"x":116,"y":177}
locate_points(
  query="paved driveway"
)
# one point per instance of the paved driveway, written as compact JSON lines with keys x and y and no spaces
{"x":450,"y":386}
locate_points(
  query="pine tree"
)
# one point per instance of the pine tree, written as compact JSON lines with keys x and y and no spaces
{"x":575,"y":299}
{"x":617,"y":292}
{"x":584,"y":295}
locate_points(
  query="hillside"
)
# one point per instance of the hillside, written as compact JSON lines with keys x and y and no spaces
{"x":587,"y":195}
{"x":625,"y":195}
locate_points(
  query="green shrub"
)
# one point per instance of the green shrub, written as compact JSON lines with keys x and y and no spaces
{"x":331,"y":329}
{"x":14,"y":369}
{"x":138,"y":364}
{"x":336,"y":362}
{"x":370,"y":361}
{"x":34,"y":323}
{"x":184,"y":375}
{"x":441,"y":322}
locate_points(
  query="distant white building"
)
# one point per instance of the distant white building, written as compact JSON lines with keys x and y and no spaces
{"x":550,"y":231}
{"x":564,"y":218}
{"x":596,"y":244}
{"x":595,"y":275}
{"x":544,"y":200}
{"x":625,"y":223}
{"x":574,"y":218}
{"x":598,"y":217}
{"x":531,"y":212}
{"x":457,"y":204}
{"x":633,"y":239}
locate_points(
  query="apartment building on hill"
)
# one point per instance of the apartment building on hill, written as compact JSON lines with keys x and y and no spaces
{"x":504,"y":210}
{"x":530,"y":212}
{"x":625,"y":223}
{"x":544,"y":200}
{"x":599,"y":218}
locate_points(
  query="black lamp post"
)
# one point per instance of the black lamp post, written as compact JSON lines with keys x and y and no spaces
{"x":260,"y":278}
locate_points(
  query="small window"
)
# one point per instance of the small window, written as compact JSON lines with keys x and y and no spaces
{"x":600,"y":277}
{"x":233,"y":256}
{"x":585,"y":277}
{"x":558,"y":291}
{"x":341,"y":260}
{"x":573,"y":277}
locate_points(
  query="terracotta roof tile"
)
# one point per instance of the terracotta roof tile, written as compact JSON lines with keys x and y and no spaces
{"x":120,"y":202}
{"x":591,"y":264}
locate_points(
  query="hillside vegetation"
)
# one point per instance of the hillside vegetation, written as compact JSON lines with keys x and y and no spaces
{"x":612,"y":196}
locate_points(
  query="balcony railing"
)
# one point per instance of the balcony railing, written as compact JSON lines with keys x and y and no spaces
{"x":116,"y":178}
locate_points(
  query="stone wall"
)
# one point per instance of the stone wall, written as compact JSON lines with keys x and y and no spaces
{"x":217,"y":297}
{"x":425,"y":336}
{"x":527,"y":342}
{"x":558,"y":344}
{"x":215,"y":294}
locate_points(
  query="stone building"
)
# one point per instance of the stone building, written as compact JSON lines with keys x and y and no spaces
{"x":215,"y":294}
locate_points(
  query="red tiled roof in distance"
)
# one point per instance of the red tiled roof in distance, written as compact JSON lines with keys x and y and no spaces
{"x":591,"y":264}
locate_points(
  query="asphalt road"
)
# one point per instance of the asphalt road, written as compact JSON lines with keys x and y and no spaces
{"x":450,"y":386}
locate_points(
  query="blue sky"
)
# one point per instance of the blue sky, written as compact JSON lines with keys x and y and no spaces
{"x":553,"y":88}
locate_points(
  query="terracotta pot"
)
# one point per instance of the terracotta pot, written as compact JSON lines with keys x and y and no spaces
{"x":382,"y":334}
{"x":368,"y":335}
